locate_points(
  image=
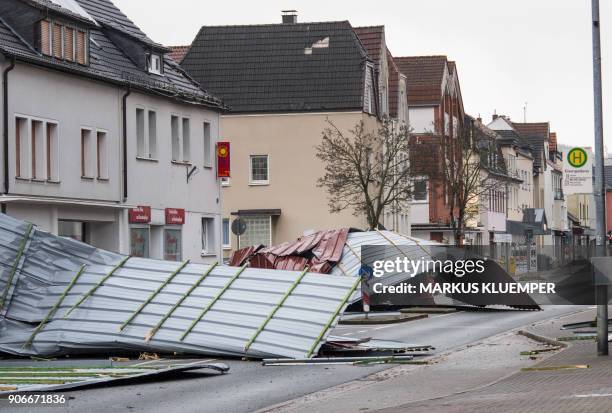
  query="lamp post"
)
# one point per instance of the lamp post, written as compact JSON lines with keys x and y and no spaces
{"x":600,"y":209}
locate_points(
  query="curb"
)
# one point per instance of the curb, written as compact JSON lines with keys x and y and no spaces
{"x":383,"y":320}
{"x":542,"y":339}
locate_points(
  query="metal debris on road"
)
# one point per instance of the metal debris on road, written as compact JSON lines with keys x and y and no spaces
{"x":115,"y":303}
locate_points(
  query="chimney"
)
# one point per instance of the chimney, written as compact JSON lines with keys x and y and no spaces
{"x":289,"y":16}
{"x":494,"y":116}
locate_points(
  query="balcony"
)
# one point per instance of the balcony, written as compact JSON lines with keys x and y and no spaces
{"x":558,"y":194}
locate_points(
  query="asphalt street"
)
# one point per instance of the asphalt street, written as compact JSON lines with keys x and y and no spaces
{"x":249,"y":386}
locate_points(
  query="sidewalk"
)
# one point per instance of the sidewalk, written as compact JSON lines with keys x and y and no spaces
{"x":568,"y":390}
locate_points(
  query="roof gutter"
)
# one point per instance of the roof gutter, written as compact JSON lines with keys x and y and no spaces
{"x":124,"y":143}
{"x":5,"y":115}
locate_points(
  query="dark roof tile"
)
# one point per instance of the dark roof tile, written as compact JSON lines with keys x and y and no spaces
{"x":267,"y":68}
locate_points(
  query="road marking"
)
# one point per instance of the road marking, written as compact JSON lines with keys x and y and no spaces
{"x":347,"y":334}
{"x":593,"y":395}
{"x":361,"y":331}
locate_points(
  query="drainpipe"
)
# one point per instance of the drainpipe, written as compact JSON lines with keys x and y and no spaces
{"x":5,"y":128}
{"x":124,"y":143}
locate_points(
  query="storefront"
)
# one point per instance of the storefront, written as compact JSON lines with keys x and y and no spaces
{"x":156,"y":233}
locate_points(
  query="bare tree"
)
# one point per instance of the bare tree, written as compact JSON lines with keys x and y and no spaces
{"x":365,"y":171}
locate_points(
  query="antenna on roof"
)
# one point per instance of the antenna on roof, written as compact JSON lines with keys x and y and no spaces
{"x":525,"y":113}
{"x":289,"y":16}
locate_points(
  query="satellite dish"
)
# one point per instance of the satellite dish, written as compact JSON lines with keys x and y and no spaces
{"x":239,"y":227}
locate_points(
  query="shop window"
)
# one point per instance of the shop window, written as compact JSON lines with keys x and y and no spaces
{"x":258,"y":231}
{"x":172,"y":244}
{"x":139,"y":242}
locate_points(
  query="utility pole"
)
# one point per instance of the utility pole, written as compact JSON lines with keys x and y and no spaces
{"x":601,"y":290}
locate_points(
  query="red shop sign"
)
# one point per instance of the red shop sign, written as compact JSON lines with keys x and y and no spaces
{"x":175,"y":216}
{"x":223,"y":159}
{"x":140,"y":215}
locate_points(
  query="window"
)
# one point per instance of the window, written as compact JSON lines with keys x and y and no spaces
{"x":419,"y":190}
{"x":52,"y":150}
{"x":63,"y":42}
{"x":186,"y":140}
{"x":258,"y":231}
{"x":140,"y":133}
{"x":174,"y":126}
{"x":21,"y":148}
{"x":36,"y":149}
{"x":172,"y":244}
{"x":154,"y":64}
{"x":152,"y":135}
{"x":139,"y":242}
{"x":102,"y":155}
{"x":259,"y":169}
{"x":226,"y":233}
{"x":208,"y":236}
{"x":225,"y":181}
{"x":86,"y":154}
{"x":207,"y":146}
{"x":180,"y":136}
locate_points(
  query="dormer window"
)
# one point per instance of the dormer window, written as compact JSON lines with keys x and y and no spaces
{"x":63,"y":42}
{"x":154,"y":63}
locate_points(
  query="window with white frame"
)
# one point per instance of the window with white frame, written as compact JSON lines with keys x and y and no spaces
{"x":146,"y":133}
{"x":258,"y":231}
{"x":226,"y":233}
{"x":36,"y":149}
{"x":207,"y":146}
{"x":87,"y":153}
{"x":419,"y":190}
{"x":180,"y":131}
{"x":209,"y":246}
{"x":101,"y":155}
{"x":154,"y":63}
{"x":259,"y":170}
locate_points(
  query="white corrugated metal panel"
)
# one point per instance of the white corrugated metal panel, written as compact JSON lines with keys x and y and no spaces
{"x":295,"y":329}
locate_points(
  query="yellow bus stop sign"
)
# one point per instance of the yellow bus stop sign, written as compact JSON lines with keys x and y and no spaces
{"x":577,"y":157}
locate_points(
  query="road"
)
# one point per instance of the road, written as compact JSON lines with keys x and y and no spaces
{"x":249,"y":386}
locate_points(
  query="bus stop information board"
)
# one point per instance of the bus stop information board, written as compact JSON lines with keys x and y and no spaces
{"x":578,"y":171}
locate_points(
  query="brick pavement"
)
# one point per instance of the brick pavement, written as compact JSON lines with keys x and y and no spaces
{"x":571,"y":390}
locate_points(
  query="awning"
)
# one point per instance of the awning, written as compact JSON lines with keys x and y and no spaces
{"x":255,"y":212}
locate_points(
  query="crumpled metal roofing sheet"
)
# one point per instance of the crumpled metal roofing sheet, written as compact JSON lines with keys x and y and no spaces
{"x":283,"y":313}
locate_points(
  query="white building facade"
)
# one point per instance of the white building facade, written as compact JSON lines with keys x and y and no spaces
{"x":105,"y":139}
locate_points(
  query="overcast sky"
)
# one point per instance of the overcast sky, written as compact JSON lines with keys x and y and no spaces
{"x":507,"y":52}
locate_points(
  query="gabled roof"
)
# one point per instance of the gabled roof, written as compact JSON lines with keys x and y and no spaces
{"x":281,"y":67}
{"x":372,"y":39}
{"x":532,"y":128}
{"x":535,"y":134}
{"x":107,"y":62}
{"x":424,"y":75}
{"x":177,"y":53}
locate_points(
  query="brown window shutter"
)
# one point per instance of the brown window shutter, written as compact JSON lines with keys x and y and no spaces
{"x":44,"y":37}
{"x":18,"y":147}
{"x":80,"y":48}
{"x":57,"y":40}
{"x":69,"y":44}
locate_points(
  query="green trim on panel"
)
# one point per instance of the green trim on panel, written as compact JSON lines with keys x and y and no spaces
{"x":22,"y":246}
{"x":153,"y":294}
{"x":214,"y":300}
{"x":276,"y":308}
